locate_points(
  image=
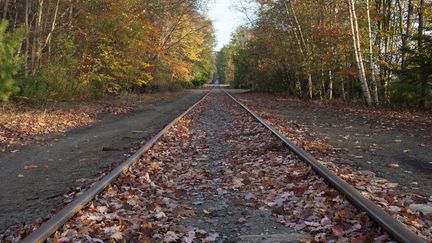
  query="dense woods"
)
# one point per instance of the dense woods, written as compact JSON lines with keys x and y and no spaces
{"x":376,"y":51}
{"x":74,"y":49}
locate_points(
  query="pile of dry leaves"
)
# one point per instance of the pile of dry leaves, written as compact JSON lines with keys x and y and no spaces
{"x":19,"y":123}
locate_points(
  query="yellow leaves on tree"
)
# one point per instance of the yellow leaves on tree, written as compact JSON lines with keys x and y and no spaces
{"x":131,"y":43}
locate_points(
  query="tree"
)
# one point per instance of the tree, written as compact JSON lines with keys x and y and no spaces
{"x":415,"y":82}
{"x":371,"y":57}
{"x":315,"y":46}
{"x":358,"y":52}
{"x":10,"y":62}
{"x":88,"y":49}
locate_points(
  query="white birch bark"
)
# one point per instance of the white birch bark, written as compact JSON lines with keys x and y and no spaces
{"x":371,"y":57}
{"x":302,"y":45}
{"x":357,"y":51}
{"x":49,"y":37}
{"x":36,"y":39}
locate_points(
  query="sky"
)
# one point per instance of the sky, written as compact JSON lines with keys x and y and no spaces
{"x":225,"y":20}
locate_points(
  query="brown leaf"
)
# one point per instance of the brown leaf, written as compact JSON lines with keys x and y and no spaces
{"x":338,"y":230}
{"x":186,"y":213}
{"x":30,"y":167}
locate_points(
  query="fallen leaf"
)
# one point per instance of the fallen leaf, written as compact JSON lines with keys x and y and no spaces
{"x":117,"y":236}
{"x":190,"y":237}
{"x":154,"y":166}
{"x":170,"y":236}
{"x":250,"y":196}
{"x":211,"y":237}
{"x":160,"y":215}
{"x":338,"y":230}
{"x":241,"y":220}
{"x":186,"y":213}
{"x":394,"y":165}
{"x":30,"y":167}
{"x":237,"y":183}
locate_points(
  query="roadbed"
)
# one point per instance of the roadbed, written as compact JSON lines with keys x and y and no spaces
{"x":35,"y":177}
{"x":395,"y":145}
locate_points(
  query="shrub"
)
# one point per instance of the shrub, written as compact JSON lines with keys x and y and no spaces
{"x":10,"y":63}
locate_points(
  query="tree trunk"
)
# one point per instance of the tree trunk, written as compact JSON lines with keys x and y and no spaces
{"x":36,"y":55}
{"x":36,"y":39}
{"x":420,"y":30}
{"x":420,"y":24}
{"x":343,"y":90}
{"x":310,"y":84}
{"x":71,"y":10}
{"x":27,"y":39}
{"x":53,"y":25}
{"x":302,"y":45}
{"x":330,"y":88}
{"x":371,"y":57}
{"x":16,"y":16}
{"x":406,"y":35}
{"x":5,"y":9}
{"x":357,"y":51}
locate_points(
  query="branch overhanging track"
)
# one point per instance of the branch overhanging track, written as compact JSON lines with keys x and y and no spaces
{"x":396,"y":229}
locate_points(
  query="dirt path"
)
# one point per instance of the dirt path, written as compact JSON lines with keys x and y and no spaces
{"x":396,"y":148}
{"x":34,"y":179}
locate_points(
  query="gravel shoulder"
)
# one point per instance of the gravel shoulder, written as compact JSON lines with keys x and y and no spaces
{"x":34,"y":179}
{"x":395,"y":145}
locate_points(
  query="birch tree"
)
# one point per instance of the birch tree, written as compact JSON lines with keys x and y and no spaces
{"x":358,"y":53}
{"x":303,"y":46}
{"x":371,"y":57}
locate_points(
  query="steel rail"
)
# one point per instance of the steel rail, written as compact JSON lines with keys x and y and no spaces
{"x":395,"y":228}
{"x":49,"y":227}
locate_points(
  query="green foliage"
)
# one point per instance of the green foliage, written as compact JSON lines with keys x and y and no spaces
{"x":59,"y":80}
{"x":226,"y":62}
{"x":54,"y":84}
{"x":10,"y":62}
{"x":164,"y":85}
{"x":225,"y":65}
{"x":202,"y":77}
{"x":204,"y":70}
{"x":415,"y":83}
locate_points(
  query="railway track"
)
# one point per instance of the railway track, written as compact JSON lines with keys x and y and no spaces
{"x":218,"y":172}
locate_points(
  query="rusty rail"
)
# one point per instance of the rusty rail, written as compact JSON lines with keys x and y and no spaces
{"x":395,"y":228}
{"x":49,"y":227}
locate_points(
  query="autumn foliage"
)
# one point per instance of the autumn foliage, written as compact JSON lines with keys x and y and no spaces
{"x":376,"y":52}
{"x":80,"y":49}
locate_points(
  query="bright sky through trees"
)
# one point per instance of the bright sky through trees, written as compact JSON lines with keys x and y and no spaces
{"x":226,"y":18}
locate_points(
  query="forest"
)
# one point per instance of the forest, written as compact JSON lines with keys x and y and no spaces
{"x":75,"y":49}
{"x":370,"y":51}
